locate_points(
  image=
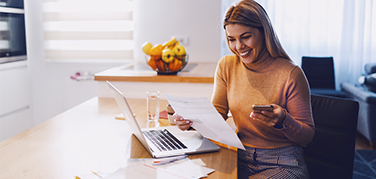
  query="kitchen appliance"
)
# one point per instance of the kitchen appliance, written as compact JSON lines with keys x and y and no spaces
{"x":12,"y":31}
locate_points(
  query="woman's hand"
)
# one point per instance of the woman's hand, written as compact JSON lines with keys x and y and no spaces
{"x":181,"y":122}
{"x":272,"y":119}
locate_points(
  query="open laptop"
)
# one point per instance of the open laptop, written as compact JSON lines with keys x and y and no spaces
{"x":163,"y":141}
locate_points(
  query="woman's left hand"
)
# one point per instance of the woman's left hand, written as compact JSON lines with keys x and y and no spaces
{"x":270,"y":119}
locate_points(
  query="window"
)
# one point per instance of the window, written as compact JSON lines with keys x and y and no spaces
{"x":343,"y":29}
{"x":88,"y":30}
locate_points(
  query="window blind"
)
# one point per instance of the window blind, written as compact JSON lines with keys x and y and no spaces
{"x":88,"y":30}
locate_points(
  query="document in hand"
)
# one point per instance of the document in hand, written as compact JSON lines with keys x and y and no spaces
{"x":206,"y":119}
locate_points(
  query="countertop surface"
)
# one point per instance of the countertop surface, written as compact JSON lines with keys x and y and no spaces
{"x":140,"y":72}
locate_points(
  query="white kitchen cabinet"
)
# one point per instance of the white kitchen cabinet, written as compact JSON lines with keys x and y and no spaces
{"x":15,"y":99}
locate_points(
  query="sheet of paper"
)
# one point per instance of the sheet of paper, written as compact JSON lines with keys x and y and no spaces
{"x":206,"y":119}
{"x":143,"y":169}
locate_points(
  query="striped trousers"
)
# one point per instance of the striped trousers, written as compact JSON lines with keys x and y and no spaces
{"x":281,"y":163}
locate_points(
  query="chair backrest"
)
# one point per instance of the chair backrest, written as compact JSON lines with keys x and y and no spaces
{"x":319,"y":72}
{"x":331,"y":151}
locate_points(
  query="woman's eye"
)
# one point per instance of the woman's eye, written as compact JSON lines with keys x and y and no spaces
{"x":246,"y":37}
{"x":231,"y":40}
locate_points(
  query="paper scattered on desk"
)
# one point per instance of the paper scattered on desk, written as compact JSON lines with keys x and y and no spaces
{"x":144,"y":169}
{"x":199,"y":162}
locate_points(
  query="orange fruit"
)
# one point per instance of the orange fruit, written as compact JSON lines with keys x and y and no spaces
{"x":160,"y":65}
{"x":175,"y":65}
{"x":156,"y":51}
{"x":152,"y":63}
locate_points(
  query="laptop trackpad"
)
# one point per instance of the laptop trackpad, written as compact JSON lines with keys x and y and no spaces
{"x":187,"y":135}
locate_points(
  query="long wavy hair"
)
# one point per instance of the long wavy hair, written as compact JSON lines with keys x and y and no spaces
{"x":252,"y":14}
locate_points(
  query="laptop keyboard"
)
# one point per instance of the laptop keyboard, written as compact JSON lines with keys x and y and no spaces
{"x":164,"y":140}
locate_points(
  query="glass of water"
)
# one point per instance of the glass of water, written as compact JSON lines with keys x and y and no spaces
{"x":152,"y":98}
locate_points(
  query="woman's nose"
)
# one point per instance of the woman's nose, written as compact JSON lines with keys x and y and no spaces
{"x":239,"y":45}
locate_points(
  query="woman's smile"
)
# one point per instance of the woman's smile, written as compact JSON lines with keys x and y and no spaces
{"x":245,"y":54}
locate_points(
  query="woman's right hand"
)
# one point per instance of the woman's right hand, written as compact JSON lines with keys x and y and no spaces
{"x":182,"y":123}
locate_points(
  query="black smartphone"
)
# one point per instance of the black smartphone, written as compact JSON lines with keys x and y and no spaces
{"x":261,"y":107}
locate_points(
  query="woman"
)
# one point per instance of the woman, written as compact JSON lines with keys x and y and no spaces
{"x":261,"y":72}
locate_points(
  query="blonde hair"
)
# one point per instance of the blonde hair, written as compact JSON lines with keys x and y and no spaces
{"x":252,"y":14}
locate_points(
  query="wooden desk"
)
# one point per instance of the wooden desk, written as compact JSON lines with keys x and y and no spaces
{"x":82,"y":139}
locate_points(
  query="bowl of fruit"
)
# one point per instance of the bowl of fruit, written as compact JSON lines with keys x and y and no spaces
{"x":166,"y":59}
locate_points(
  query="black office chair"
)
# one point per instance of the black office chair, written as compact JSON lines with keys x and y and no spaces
{"x":331,"y":151}
{"x":320,"y":74}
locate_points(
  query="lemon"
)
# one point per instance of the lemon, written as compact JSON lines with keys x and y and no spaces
{"x":146,"y":47}
{"x":169,"y":43}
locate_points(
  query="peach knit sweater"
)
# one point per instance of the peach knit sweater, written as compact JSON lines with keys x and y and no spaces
{"x":268,"y":80}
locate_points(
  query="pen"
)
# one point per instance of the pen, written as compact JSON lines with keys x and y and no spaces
{"x":169,"y":160}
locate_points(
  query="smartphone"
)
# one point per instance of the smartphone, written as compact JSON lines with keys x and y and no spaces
{"x":260,"y":107}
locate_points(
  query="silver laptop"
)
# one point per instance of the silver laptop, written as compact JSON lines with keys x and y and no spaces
{"x":163,"y":141}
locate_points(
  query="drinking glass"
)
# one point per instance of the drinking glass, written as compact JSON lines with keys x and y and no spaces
{"x":152,"y":98}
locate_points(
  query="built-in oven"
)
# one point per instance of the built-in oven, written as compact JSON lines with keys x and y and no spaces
{"x":12,"y":31}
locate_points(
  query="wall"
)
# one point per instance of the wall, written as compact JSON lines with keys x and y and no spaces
{"x":199,"y":20}
{"x":53,"y":92}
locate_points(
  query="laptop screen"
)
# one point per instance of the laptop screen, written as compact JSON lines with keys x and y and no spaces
{"x":128,"y":114}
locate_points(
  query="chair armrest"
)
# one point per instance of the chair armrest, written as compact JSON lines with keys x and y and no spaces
{"x":358,"y":93}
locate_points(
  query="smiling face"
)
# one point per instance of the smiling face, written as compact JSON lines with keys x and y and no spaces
{"x":246,"y":42}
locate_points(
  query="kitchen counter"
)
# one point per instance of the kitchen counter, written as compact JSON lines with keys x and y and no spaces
{"x":133,"y":80}
{"x":140,"y":72}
